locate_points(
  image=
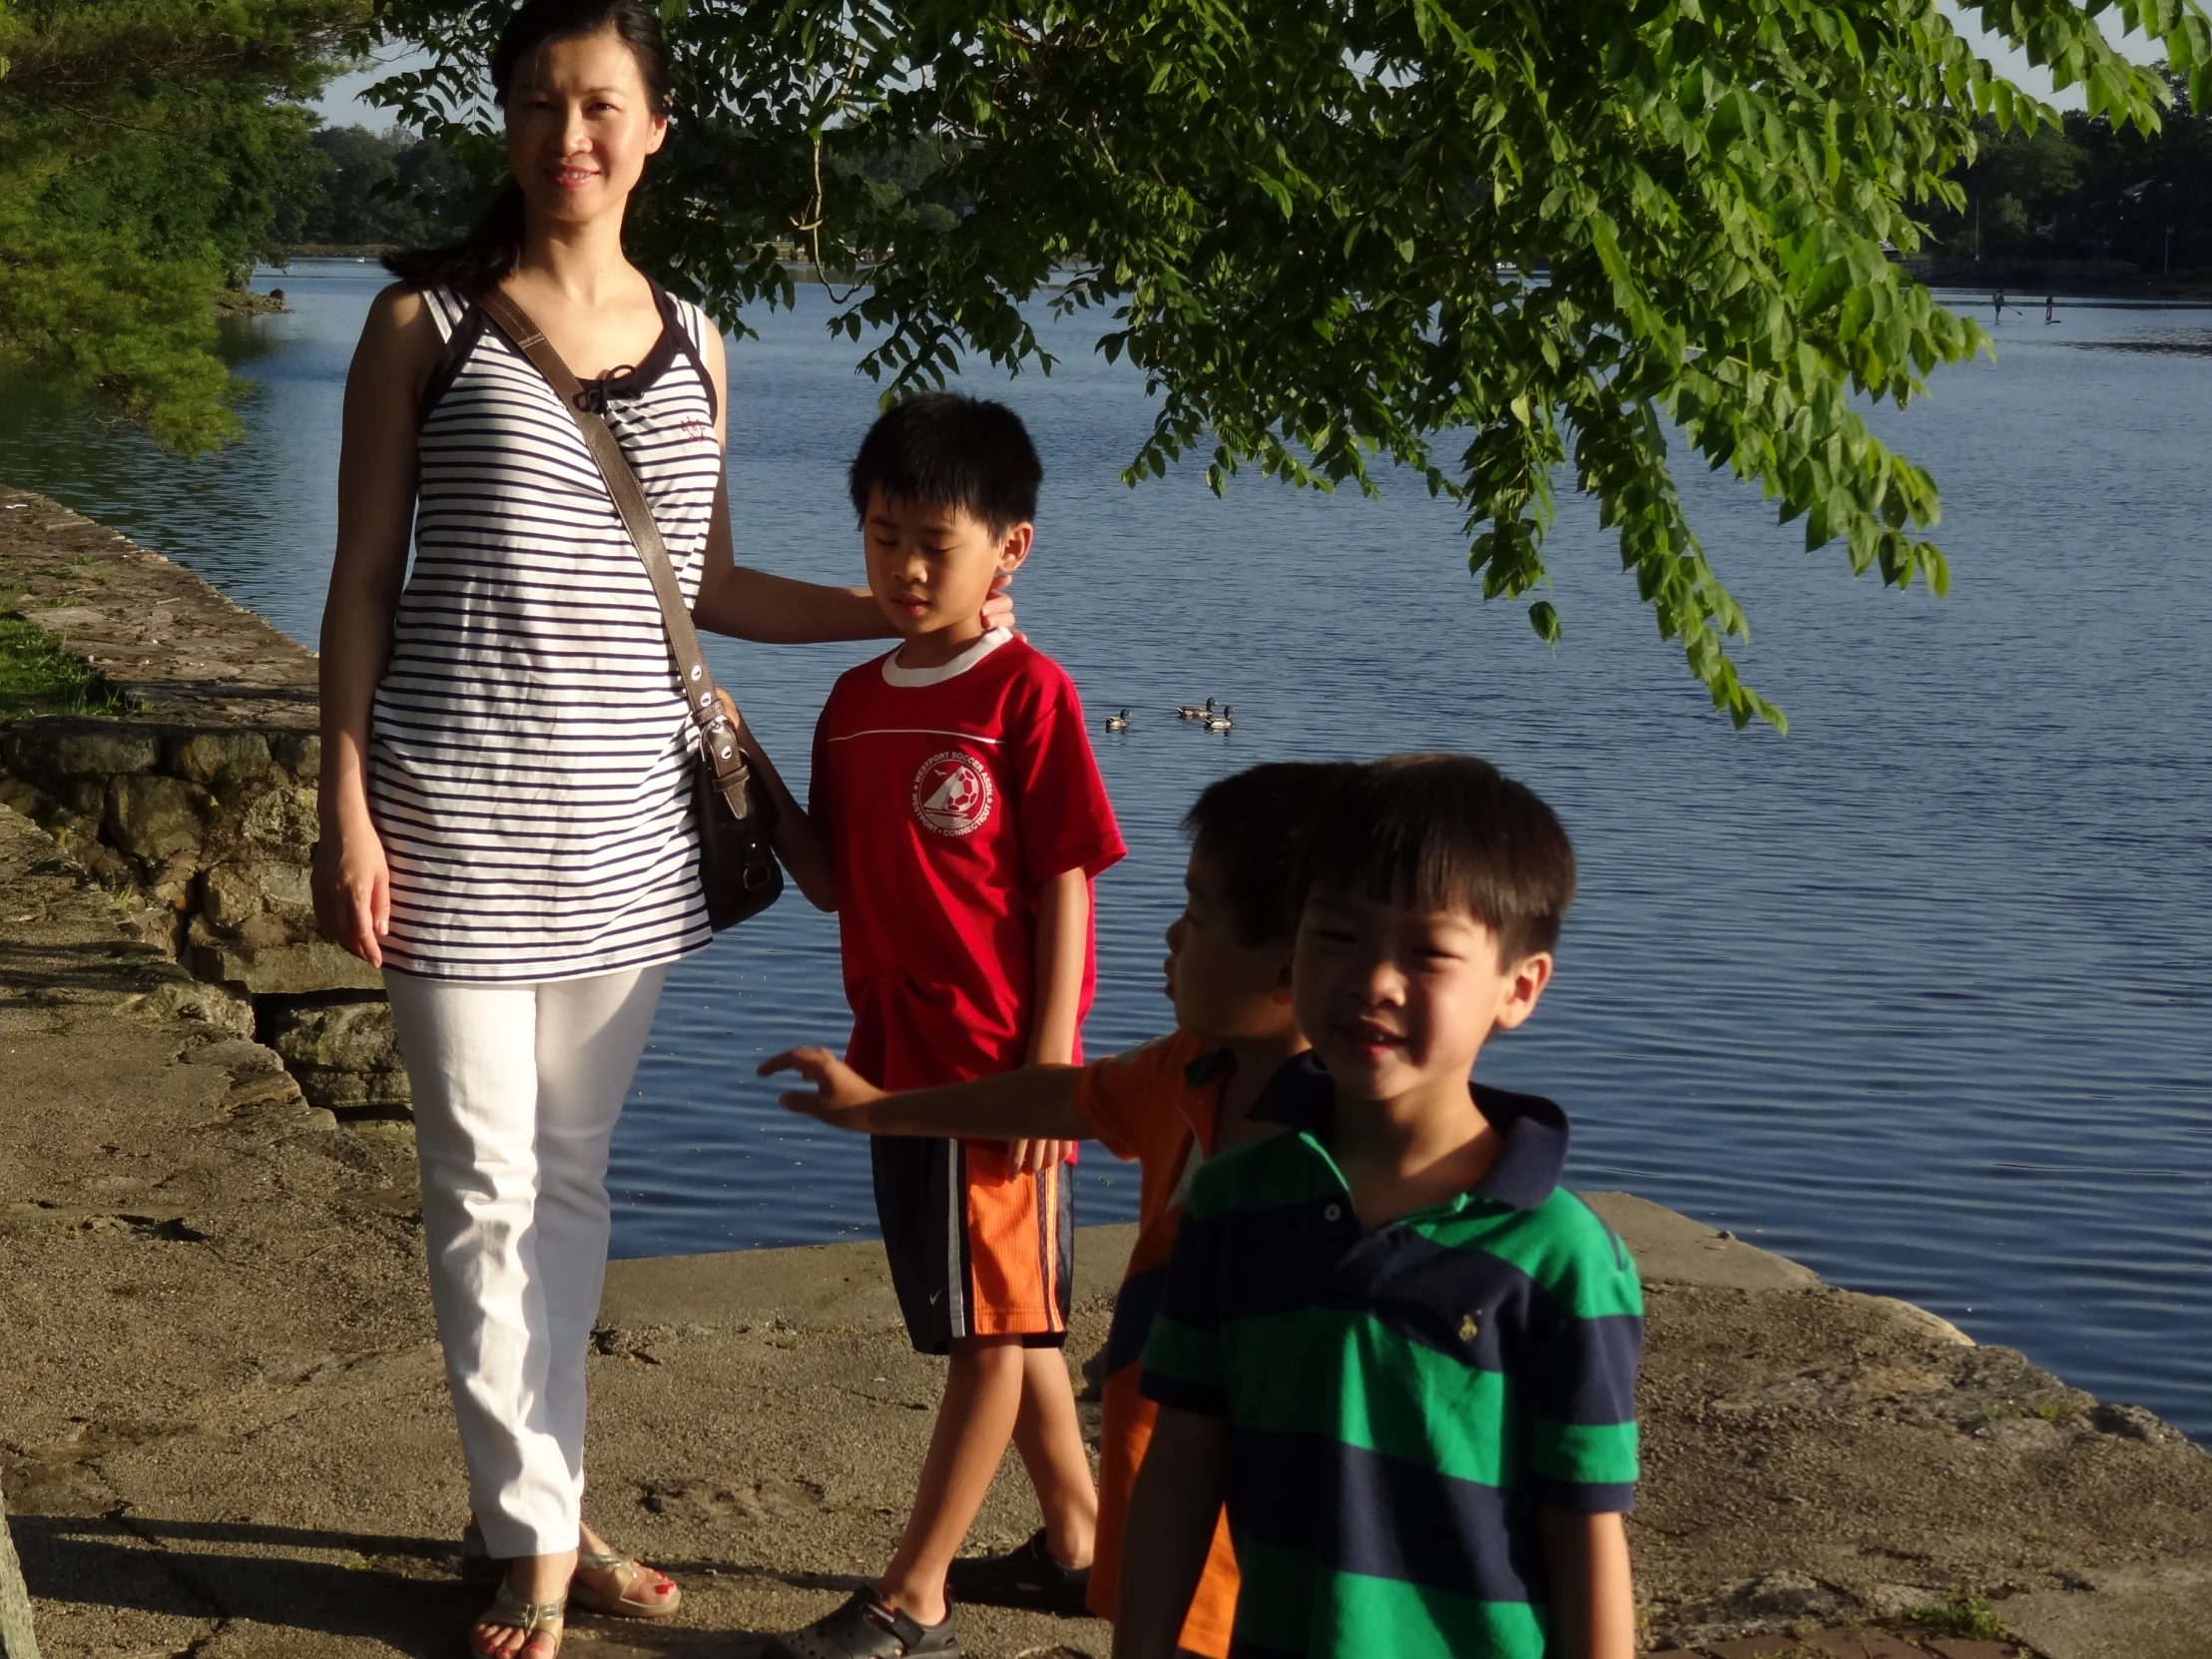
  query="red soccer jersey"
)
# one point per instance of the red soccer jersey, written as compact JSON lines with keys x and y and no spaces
{"x":948,"y":797}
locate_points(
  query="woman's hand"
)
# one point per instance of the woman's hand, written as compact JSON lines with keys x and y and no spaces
{"x":838,"y":1090}
{"x":998,"y":605}
{"x":352,"y":892}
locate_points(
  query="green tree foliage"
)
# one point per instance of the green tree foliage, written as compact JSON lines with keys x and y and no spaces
{"x":1487,"y":241}
{"x":390,"y":186}
{"x":2091,"y":189}
{"x":146,"y":157}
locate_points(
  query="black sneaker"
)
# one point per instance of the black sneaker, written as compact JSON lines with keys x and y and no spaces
{"x":1025,"y":1577}
{"x":863,"y":1628}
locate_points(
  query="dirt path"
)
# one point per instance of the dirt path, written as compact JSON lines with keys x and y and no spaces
{"x":226,"y":1432}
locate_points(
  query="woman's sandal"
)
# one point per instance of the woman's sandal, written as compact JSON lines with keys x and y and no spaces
{"x":631,"y":1595}
{"x":508,"y":1611}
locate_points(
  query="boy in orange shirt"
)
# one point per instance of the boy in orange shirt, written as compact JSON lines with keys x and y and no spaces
{"x":1169,"y":1105}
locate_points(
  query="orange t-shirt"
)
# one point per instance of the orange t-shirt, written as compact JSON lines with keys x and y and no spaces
{"x":1158,"y":1105}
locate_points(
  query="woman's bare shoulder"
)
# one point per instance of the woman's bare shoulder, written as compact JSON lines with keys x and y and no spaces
{"x":400,"y":334}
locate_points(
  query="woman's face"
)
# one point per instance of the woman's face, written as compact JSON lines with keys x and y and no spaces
{"x":580,"y":124}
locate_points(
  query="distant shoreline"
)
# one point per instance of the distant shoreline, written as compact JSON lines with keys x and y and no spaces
{"x":2191,"y":291}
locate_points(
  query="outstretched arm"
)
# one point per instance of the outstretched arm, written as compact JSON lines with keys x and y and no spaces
{"x":776,"y":610}
{"x":756,"y":605}
{"x":1035,"y":1101}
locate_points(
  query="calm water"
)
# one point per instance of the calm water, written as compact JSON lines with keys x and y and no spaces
{"x":1921,"y":995}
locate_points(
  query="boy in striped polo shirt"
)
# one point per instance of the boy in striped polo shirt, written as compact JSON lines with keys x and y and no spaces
{"x":1399,"y":1350}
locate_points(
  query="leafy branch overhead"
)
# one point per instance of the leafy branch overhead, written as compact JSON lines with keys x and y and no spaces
{"x":1306,"y":223}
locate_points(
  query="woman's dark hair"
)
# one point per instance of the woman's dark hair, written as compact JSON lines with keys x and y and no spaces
{"x":483,"y":257}
{"x":1247,"y":826}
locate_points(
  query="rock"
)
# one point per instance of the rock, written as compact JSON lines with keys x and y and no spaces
{"x":298,"y":752}
{"x":286,"y":970}
{"x":233,"y":893}
{"x":190,"y":1000}
{"x":228,"y":896}
{"x":356,"y":1090}
{"x":1787,"y":1595}
{"x":2134,"y":1423}
{"x":152,"y":816}
{"x":86,"y":797}
{"x":281,"y":821}
{"x":242,"y":1058}
{"x":264,"y":931}
{"x":16,"y":1639}
{"x":337,"y":1036}
{"x":1898,"y":1601}
{"x":206,"y":756}
{"x":170,"y":886}
{"x":104,"y":750}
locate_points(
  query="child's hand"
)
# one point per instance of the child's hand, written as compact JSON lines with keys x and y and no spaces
{"x":1027,"y":1156}
{"x":838,"y":1090}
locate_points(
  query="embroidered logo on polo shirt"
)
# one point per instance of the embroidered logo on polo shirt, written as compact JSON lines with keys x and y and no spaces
{"x":1469,"y":1328}
{"x":952,"y":793}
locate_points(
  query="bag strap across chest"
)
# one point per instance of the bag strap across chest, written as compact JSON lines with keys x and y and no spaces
{"x":628,"y":495}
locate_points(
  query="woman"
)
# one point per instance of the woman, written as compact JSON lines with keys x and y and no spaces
{"x":505,"y":802}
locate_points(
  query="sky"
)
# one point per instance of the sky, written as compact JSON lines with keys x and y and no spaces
{"x":341,"y":105}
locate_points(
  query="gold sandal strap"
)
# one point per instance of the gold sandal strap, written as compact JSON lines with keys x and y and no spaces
{"x":509,"y":1609}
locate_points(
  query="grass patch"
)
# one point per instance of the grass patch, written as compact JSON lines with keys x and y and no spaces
{"x":39,"y":676}
{"x":1959,"y":1614}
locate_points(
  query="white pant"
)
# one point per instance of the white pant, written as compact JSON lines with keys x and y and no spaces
{"x":517,"y":1092}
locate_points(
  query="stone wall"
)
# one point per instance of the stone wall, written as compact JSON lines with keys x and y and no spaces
{"x":198,"y":798}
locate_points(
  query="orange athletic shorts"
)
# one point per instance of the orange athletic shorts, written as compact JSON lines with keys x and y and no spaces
{"x":974,"y":1250}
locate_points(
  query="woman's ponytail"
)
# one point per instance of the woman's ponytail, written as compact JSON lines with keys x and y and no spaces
{"x":477,"y":263}
{"x":489,"y":253}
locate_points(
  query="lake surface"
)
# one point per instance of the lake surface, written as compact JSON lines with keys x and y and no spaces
{"x":1921,"y":995}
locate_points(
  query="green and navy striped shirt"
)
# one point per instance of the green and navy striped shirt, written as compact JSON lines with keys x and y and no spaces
{"x":1400,"y":1402}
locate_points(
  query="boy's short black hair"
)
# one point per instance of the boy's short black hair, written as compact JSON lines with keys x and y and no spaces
{"x":950,"y":450}
{"x":1247,"y":826}
{"x":1441,"y":832}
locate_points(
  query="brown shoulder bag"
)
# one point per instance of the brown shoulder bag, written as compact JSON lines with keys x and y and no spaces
{"x":737,"y":863}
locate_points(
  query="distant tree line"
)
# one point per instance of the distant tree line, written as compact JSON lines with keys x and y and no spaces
{"x":359,"y":188}
{"x":2088,"y":191}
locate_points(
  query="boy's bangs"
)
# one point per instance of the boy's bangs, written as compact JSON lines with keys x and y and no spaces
{"x":1445,"y":833}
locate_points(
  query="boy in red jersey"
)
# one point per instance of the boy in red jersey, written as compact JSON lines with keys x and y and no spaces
{"x":1169,"y":1104}
{"x":955,"y":823}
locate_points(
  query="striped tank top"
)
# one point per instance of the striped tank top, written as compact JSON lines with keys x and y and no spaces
{"x":529,"y":751}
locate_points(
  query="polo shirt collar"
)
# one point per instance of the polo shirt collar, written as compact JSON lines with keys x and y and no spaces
{"x":1207,"y":1066}
{"x":1533,"y":1156}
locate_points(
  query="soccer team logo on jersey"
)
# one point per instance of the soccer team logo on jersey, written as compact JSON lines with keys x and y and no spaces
{"x":952,"y":793}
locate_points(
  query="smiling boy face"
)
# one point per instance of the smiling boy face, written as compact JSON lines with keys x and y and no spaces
{"x":1396,"y":999}
{"x":931,"y":567}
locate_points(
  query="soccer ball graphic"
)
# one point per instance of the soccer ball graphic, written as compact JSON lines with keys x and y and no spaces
{"x":952,"y":793}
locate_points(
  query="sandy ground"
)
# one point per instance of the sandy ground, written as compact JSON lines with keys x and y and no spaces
{"x":226,"y":1432}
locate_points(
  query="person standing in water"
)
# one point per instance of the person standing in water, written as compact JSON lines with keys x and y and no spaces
{"x":506,"y":818}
